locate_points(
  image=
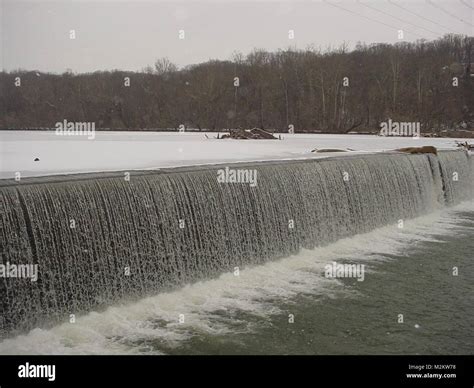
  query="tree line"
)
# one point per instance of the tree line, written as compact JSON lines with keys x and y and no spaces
{"x":337,"y":90}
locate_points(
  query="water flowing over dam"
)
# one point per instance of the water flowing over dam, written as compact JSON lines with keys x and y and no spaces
{"x":100,"y":239}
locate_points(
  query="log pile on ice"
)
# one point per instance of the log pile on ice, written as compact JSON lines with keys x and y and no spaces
{"x":255,"y":133}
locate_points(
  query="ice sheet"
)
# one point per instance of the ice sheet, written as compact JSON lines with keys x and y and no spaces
{"x":115,"y":151}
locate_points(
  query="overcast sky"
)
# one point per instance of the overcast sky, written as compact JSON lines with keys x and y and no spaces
{"x":130,"y":35}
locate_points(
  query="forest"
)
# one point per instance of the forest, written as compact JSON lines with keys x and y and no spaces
{"x":312,"y":90}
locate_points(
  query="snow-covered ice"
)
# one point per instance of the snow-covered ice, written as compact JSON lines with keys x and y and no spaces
{"x":115,"y":151}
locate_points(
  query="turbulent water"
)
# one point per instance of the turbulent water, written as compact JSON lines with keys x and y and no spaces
{"x":175,"y":228}
{"x":409,"y":271}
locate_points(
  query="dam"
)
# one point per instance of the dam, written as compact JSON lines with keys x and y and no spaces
{"x":100,"y":239}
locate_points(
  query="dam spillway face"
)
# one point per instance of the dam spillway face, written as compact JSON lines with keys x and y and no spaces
{"x":99,"y":239}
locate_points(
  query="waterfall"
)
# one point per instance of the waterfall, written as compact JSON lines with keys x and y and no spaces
{"x":458,"y":175}
{"x":100,"y":239}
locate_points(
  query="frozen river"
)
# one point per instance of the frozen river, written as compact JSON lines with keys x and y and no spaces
{"x":115,"y":151}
